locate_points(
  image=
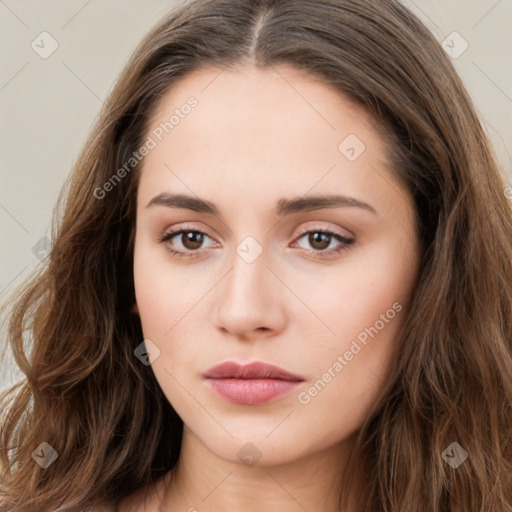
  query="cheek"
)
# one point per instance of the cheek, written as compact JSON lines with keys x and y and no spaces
{"x":347,"y":375}
{"x":369,"y":289}
{"x":164,"y":292}
{"x":362,"y":309}
{"x":167,"y":301}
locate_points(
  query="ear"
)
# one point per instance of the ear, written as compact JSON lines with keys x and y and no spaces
{"x":135,"y":308}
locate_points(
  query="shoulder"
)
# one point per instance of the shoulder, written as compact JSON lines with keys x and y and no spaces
{"x":145,"y":499}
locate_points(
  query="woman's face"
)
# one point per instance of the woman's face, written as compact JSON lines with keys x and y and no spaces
{"x":300,"y":251}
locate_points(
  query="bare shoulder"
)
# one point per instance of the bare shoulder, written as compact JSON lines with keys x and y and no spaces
{"x":145,"y":499}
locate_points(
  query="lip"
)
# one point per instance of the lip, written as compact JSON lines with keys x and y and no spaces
{"x":251,"y":384}
{"x":255,"y":370}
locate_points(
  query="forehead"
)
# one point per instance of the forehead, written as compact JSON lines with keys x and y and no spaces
{"x":275,"y":101}
{"x":257,"y":130}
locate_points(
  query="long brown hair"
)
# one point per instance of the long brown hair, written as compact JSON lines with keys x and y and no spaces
{"x":105,"y":415}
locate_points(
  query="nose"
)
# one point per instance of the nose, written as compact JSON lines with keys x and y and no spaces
{"x":250,"y":300}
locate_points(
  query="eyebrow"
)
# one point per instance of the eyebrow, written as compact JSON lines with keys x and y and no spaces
{"x":283,"y":206}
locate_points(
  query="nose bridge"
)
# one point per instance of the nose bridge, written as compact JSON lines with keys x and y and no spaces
{"x":248,"y":278}
{"x":250,"y":296}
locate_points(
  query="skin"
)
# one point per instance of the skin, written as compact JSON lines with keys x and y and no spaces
{"x":255,"y":137}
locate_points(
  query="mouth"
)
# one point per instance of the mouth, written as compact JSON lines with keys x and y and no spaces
{"x":251,"y":384}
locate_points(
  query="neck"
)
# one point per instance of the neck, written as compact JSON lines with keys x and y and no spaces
{"x":202,"y":481}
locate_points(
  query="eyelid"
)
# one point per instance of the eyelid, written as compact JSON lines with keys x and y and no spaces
{"x":302,"y":230}
{"x":175,"y":231}
{"x":344,"y":240}
{"x":185,"y":227}
{"x":329,"y":227}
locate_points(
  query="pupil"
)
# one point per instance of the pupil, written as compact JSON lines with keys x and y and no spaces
{"x":319,"y":238}
{"x":193,"y":239}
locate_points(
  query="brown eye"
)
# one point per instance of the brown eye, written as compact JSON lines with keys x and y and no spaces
{"x":192,"y":239}
{"x":319,"y":240}
{"x":184,"y":242}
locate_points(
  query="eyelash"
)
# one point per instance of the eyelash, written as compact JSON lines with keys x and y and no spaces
{"x":345,"y":242}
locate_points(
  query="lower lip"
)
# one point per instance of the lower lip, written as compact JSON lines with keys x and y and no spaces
{"x":252,"y":391}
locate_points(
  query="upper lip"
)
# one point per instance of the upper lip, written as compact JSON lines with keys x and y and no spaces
{"x":255,"y":370}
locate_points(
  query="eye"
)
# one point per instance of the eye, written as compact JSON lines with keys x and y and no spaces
{"x":322,"y":239}
{"x":191,"y":241}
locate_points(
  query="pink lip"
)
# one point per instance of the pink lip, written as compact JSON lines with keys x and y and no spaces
{"x":251,"y":384}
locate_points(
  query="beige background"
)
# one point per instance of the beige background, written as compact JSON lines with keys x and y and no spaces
{"x":47,"y":105}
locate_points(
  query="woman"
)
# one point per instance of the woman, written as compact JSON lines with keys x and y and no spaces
{"x":333,"y":332}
